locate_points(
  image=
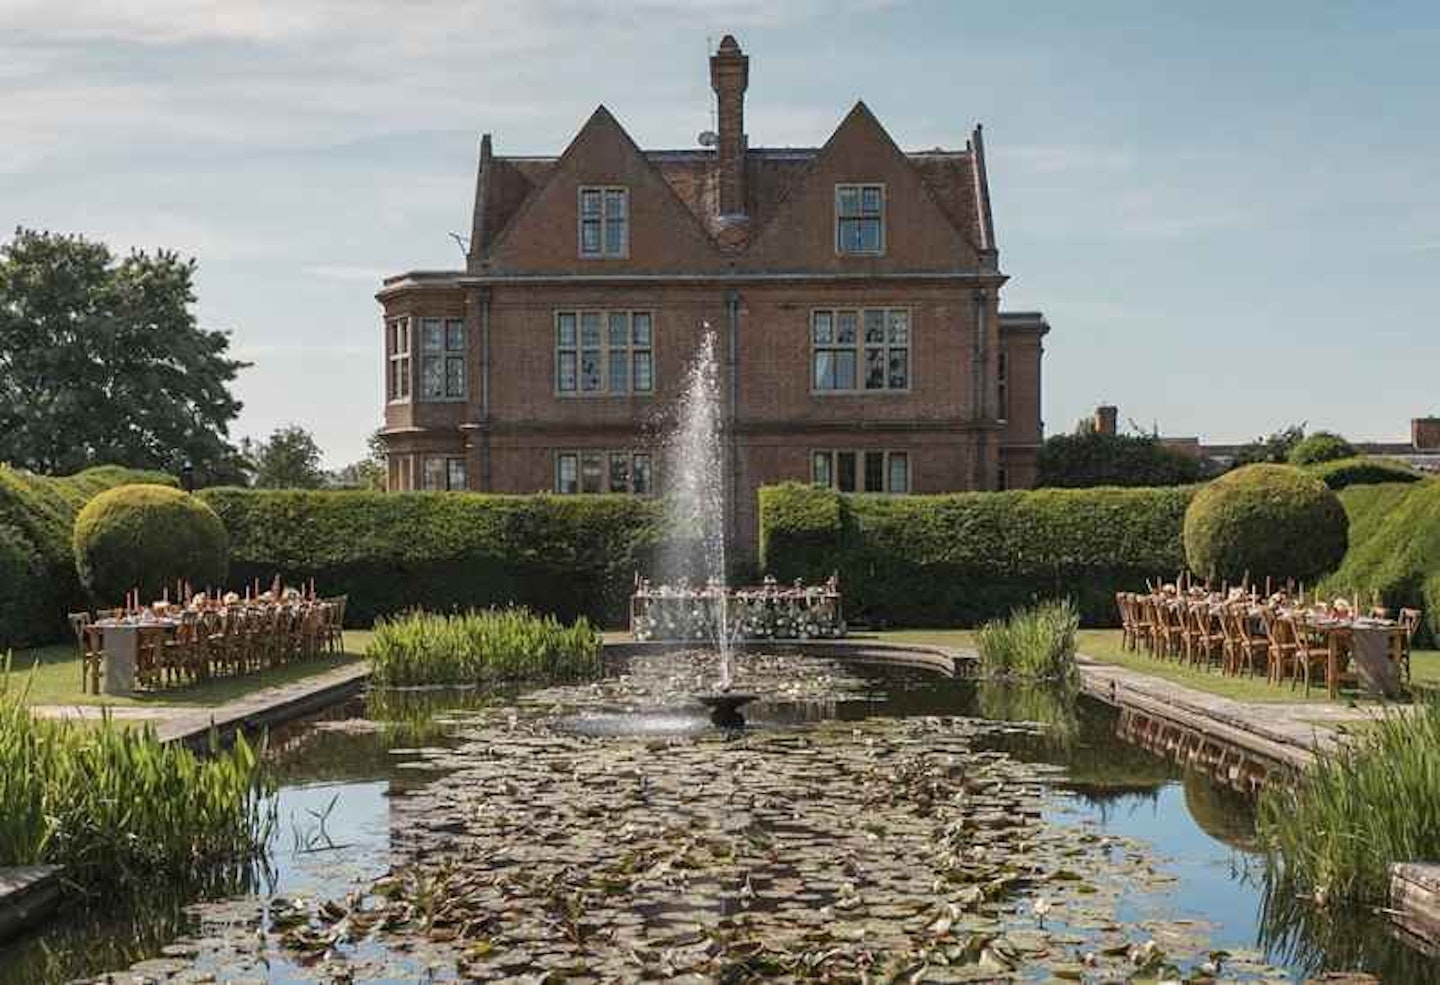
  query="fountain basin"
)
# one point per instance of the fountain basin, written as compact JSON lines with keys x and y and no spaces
{"x":725,"y":707}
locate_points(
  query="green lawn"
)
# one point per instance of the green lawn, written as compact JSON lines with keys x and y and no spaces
{"x":1104,"y":645}
{"x":50,"y":675}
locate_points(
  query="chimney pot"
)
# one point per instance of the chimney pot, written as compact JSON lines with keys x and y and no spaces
{"x":1425,"y":433}
{"x":1106,"y":419}
{"x":729,"y":77}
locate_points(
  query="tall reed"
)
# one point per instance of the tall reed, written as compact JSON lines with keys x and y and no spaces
{"x":1034,"y":644}
{"x":114,"y":805}
{"x":495,"y":646}
{"x":1333,"y":834}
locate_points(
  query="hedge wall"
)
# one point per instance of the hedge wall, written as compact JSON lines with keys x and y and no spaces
{"x":38,"y":585}
{"x":960,"y":559}
{"x":1364,"y":470}
{"x":1394,"y":549}
{"x":567,"y":555}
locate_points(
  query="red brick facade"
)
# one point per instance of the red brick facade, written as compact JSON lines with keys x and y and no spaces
{"x":773,"y":249}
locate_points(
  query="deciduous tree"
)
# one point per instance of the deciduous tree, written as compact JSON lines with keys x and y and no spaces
{"x":102,"y":362}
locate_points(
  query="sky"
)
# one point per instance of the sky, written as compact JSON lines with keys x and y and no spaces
{"x":1227,"y":211}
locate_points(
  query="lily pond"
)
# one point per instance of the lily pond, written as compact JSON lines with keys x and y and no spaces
{"x":871,"y":823}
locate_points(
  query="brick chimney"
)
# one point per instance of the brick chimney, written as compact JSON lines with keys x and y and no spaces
{"x":1425,"y":433}
{"x":729,"y":75}
{"x":1106,"y":418}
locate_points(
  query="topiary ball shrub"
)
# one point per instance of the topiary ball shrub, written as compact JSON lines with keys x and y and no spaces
{"x":1272,"y":521}
{"x":148,"y":537}
{"x":1322,"y":446}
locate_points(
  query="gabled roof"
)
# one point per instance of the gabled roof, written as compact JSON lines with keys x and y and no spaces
{"x":955,"y":179}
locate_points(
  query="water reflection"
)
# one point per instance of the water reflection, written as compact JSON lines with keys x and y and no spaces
{"x":358,"y":759}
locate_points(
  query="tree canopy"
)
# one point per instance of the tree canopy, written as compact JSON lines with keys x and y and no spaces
{"x":288,"y":459}
{"x":102,"y":362}
{"x":1094,"y":459}
{"x":1274,"y":449}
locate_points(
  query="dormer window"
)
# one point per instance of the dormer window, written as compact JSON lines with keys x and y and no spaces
{"x":604,"y":222}
{"x":860,"y":220}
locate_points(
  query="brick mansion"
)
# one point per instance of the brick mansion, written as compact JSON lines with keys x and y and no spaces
{"x":854,"y":290}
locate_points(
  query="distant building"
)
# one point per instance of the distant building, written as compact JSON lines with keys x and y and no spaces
{"x":855,"y":288}
{"x":1422,"y":451}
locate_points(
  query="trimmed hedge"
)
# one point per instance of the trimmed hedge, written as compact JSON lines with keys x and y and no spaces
{"x":963,"y":558}
{"x":148,"y":537}
{"x":1322,"y":446}
{"x":1265,"y":521}
{"x":38,"y":584}
{"x":562,"y":555}
{"x":1362,"y":470}
{"x":1394,"y":549}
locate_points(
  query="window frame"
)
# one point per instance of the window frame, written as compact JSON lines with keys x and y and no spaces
{"x":446,"y":355}
{"x":607,"y":458}
{"x":606,"y":350}
{"x":399,"y":381}
{"x":447,"y":463}
{"x":888,"y":459}
{"x":860,"y":347}
{"x":859,"y":188}
{"x":604,"y":221}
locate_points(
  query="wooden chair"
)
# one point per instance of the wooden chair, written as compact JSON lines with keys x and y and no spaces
{"x":149,"y":657}
{"x":1307,"y":655}
{"x":1248,"y":648}
{"x":1128,"y":640}
{"x":1172,"y":630}
{"x":181,"y":652}
{"x":1410,"y":621}
{"x":335,"y":622}
{"x":1231,"y":643}
{"x":1204,"y":640}
{"x":1280,"y":645}
{"x":89,"y":657}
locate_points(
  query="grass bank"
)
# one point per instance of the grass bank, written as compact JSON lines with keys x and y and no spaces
{"x":114,"y":806}
{"x":1333,"y":834}
{"x":50,"y":675}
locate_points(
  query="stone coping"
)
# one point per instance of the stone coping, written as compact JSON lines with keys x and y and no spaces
{"x":934,"y":657}
{"x":266,"y":708}
{"x":28,"y":894}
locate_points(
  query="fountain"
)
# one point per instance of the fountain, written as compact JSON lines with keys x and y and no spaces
{"x":695,"y":490}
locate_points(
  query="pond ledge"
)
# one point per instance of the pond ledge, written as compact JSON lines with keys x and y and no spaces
{"x":268,"y":708}
{"x":1415,"y":903}
{"x":28,"y":895}
{"x":951,"y":663}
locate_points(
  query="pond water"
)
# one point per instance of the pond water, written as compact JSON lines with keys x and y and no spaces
{"x":870,"y":819}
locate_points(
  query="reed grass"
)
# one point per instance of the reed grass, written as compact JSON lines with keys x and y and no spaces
{"x":1333,"y":834}
{"x":1037,"y":643}
{"x":490,"y":647}
{"x":115,"y":806}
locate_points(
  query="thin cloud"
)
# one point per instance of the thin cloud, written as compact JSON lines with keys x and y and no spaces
{"x":342,"y":272}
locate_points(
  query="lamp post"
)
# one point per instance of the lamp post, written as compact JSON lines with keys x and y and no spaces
{"x":187,"y":477}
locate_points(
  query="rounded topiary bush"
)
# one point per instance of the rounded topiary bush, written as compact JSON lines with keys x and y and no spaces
{"x":1322,"y":446}
{"x":1272,"y":521}
{"x":148,"y":537}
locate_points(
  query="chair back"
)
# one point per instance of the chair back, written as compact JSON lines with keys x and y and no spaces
{"x":78,"y":622}
{"x":1277,"y":630}
{"x":1410,"y":619}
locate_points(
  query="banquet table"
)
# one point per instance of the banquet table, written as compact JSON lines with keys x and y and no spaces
{"x":1375,"y":647}
{"x":121,"y":641}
